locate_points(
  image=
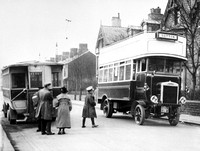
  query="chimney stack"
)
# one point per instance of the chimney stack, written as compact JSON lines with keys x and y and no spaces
{"x":116,"y":21}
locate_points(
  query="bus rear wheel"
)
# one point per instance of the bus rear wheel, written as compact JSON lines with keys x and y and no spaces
{"x":139,"y":114}
{"x":108,"y":108}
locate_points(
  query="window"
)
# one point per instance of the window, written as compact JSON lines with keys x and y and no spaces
{"x":18,"y":80}
{"x":110,"y":74}
{"x":128,"y":72}
{"x":156,"y":64}
{"x":138,"y":66}
{"x":36,"y":79}
{"x":105,"y":76}
{"x":5,"y":81}
{"x":56,"y":81}
{"x":134,"y":70}
{"x":116,"y":70}
{"x":121,"y":73}
{"x":166,"y":65}
{"x":143,"y":61}
{"x":101,"y":76}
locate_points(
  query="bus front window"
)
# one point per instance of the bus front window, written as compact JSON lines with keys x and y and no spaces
{"x":156,"y":64}
{"x":167,"y":65}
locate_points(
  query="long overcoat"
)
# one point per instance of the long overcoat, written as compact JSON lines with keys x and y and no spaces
{"x":45,"y":106}
{"x":64,"y":107}
{"x":89,"y":107}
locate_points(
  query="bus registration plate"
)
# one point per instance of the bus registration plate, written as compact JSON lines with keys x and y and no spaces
{"x":164,"y":109}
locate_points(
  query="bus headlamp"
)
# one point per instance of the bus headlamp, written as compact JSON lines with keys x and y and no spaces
{"x":182,"y":100}
{"x":154,"y":99}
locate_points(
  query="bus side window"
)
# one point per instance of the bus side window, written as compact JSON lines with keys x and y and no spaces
{"x":134,"y":71}
{"x":100,"y":75}
{"x":138,"y":66}
{"x":143,"y":64}
{"x":116,"y":73}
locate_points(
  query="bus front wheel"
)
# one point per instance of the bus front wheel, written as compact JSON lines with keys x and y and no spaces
{"x":108,"y":108}
{"x":174,"y":119}
{"x":9,"y":114}
{"x":139,"y":114}
{"x":5,"y":110}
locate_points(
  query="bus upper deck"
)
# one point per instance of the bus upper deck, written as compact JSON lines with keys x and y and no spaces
{"x":144,"y":45}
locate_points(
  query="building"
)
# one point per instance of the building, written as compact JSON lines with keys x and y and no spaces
{"x":80,"y":72}
{"x":73,"y":52}
{"x":82,"y":48}
{"x":154,"y":20}
{"x":177,"y":17}
{"x":110,"y":34}
{"x":65,"y":55}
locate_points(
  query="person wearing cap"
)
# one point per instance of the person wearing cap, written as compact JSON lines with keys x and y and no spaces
{"x":64,"y":107}
{"x":45,"y":108}
{"x":89,"y":108}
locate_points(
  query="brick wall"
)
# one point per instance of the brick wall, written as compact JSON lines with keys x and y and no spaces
{"x":191,"y":108}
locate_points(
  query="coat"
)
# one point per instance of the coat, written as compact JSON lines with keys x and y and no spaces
{"x":89,"y":107}
{"x":45,"y":106}
{"x":64,"y":107}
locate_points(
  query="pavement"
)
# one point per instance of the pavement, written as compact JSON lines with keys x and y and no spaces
{"x":5,"y":144}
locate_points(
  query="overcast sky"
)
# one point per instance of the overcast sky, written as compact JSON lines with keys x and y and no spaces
{"x":32,"y":27}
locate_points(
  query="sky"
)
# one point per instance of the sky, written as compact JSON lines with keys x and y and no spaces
{"x":30,"y":29}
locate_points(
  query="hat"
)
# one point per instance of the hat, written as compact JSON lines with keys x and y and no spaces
{"x":47,"y":84}
{"x":64,"y":90}
{"x":89,"y":88}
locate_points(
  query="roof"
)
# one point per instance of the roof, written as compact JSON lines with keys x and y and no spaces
{"x":76,"y":57}
{"x":111,"y":34}
{"x":114,"y":34}
{"x":150,"y":21}
{"x":32,"y":62}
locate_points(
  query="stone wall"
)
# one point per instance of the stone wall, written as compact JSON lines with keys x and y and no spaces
{"x":191,"y":108}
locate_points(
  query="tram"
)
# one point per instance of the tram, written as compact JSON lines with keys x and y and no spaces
{"x":141,"y":75}
{"x":21,"y":80}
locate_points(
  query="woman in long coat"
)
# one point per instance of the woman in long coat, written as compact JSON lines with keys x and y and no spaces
{"x":89,"y":108}
{"x":64,"y":107}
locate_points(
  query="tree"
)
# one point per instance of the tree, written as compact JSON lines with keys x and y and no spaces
{"x":187,"y":16}
{"x":82,"y":73}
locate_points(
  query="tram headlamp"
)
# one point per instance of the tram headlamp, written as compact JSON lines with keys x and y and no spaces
{"x":154,"y":99}
{"x":182,"y":100}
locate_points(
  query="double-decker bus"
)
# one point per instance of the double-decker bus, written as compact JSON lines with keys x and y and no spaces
{"x":141,"y":75}
{"x":21,"y":80}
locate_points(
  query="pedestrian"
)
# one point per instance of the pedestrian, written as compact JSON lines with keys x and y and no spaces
{"x":36,"y":102}
{"x":63,"y":115}
{"x":89,"y":107}
{"x":45,"y":109}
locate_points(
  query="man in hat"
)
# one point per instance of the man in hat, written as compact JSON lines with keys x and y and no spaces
{"x":45,"y":108}
{"x":89,"y":107}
